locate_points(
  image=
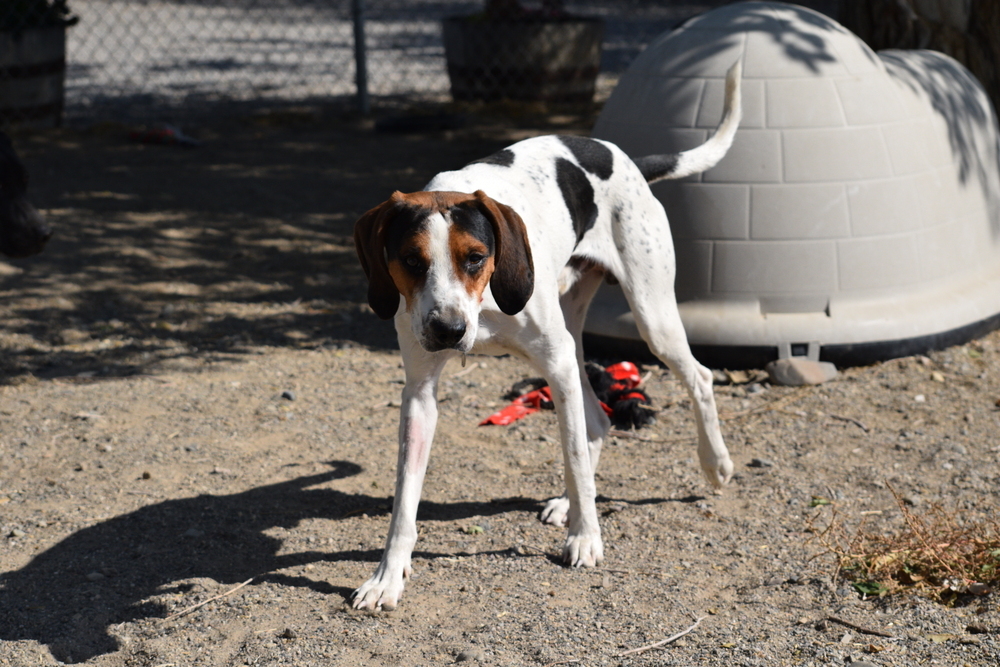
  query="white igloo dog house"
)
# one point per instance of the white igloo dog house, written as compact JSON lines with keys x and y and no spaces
{"x":857,"y":214}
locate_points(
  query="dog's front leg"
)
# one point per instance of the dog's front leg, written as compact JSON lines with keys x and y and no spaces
{"x":583,"y":547}
{"x":418,"y":417}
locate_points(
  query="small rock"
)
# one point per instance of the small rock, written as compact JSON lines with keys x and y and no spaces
{"x":17,"y":532}
{"x":288,"y":395}
{"x":798,"y":371}
{"x":979,"y":589}
{"x":937,"y":376}
{"x":146,"y":475}
{"x":470,"y":655}
{"x":738,"y":377}
{"x":193,"y":532}
{"x":977,"y":629}
{"x":288,"y":633}
{"x":95,"y":576}
{"x":761,"y":463}
{"x":774,"y":581}
{"x":861,"y":663}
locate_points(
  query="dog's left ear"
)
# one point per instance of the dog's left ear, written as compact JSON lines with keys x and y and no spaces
{"x":369,"y":241}
{"x":513,"y":277}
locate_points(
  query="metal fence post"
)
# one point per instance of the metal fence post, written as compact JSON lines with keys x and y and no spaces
{"x":360,"y":55}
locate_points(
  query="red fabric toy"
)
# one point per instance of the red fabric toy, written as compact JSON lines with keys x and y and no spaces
{"x":615,"y":386}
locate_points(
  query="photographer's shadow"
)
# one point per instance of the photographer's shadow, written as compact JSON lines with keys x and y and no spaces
{"x":69,"y":595}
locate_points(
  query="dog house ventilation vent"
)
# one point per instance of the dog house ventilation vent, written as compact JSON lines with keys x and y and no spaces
{"x":857,"y":213}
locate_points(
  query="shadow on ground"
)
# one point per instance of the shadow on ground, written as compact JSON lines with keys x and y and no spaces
{"x":163,"y":252}
{"x":56,"y":600}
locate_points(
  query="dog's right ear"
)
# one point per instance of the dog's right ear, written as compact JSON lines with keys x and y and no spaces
{"x":369,"y":241}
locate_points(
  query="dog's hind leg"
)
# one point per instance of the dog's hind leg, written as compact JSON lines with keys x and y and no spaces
{"x":648,"y":287}
{"x":574,"y":303}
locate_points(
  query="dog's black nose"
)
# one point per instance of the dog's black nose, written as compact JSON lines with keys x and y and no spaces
{"x":446,"y":333}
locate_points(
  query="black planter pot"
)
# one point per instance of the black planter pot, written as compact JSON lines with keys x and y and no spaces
{"x":32,"y":76}
{"x":552,"y":60}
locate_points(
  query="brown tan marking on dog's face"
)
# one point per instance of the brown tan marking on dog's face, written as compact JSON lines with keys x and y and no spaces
{"x":440,"y":251}
{"x":443,"y":228}
{"x":472,"y":247}
{"x":409,"y":262}
{"x":473,"y":262}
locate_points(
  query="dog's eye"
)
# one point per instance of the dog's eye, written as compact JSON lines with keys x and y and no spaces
{"x":414,"y":262}
{"x":475,"y":259}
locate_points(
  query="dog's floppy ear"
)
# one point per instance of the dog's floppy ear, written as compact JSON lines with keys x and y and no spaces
{"x":369,"y":241}
{"x":513,"y":277}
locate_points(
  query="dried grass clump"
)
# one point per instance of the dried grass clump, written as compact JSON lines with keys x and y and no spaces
{"x":940,"y":553}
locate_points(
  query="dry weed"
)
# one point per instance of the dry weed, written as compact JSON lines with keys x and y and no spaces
{"x":942,"y":553}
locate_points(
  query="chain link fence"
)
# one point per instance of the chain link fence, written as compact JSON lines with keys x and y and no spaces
{"x":133,"y":58}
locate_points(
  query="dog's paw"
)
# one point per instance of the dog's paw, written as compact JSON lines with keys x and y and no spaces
{"x":583,"y":550}
{"x":718,"y":469}
{"x":556,"y":511}
{"x":383,"y":591}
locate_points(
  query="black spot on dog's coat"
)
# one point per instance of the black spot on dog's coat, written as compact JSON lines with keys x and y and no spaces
{"x":504,"y":158}
{"x":653,"y":167}
{"x":578,"y":195}
{"x":592,"y":155}
{"x":472,"y":221}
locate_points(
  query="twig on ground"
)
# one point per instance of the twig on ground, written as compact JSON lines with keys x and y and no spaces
{"x":467,"y":370}
{"x":632,"y":436}
{"x":776,"y":404}
{"x":851,"y":420}
{"x":662,"y":642}
{"x":182,"y":612}
{"x":854,"y":626}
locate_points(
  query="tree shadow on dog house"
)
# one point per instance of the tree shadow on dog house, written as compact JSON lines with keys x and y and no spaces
{"x":857,"y":215}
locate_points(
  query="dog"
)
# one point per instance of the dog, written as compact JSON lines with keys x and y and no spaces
{"x":23,"y":231}
{"x":504,"y":256}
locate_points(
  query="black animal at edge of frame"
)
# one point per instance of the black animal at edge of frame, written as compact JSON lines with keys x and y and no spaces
{"x":23,"y":231}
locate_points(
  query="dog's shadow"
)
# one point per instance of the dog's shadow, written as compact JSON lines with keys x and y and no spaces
{"x":68,"y":596}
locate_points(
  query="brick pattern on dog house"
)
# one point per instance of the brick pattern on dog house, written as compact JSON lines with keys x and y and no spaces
{"x":860,"y":201}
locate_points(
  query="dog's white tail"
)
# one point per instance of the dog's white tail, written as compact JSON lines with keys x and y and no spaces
{"x":678,"y":165}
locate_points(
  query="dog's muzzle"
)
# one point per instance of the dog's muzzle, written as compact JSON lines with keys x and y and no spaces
{"x":444,"y":331}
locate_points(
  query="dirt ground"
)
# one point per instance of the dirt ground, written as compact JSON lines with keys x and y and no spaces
{"x":195,"y":396}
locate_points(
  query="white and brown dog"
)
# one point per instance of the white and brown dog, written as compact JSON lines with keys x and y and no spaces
{"x":504,"y":256}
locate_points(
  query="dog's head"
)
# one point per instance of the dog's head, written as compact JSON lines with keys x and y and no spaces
{"x":440,"y":250}
{"x":23,"y":231}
